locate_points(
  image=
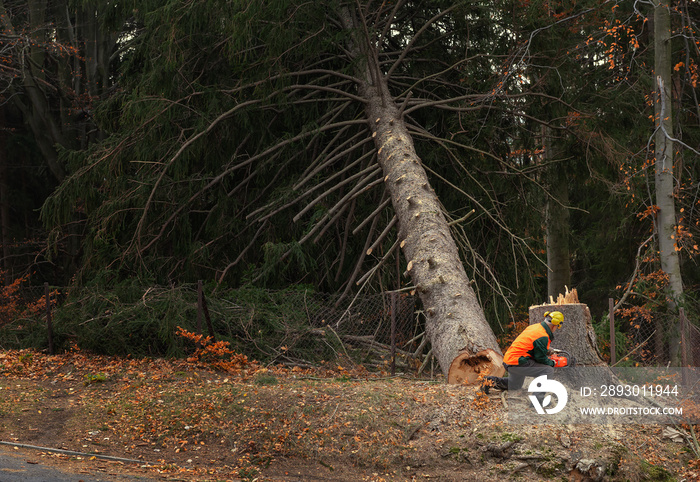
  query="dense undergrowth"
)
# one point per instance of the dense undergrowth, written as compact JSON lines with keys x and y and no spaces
{"x":129,"y":319}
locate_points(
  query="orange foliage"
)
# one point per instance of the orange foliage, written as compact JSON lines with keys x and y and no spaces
{"x":14,"y":306}
{"x":214,"y":354}
{"x":9,"y":300}
{"x":515,"y":327}
{"x":649,"y":212}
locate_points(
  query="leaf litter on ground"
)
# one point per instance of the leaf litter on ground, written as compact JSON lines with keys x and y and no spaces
{"x":213,"y":417}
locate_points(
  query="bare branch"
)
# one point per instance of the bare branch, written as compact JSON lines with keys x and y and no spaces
{"x":335,"y":156}
{"x":222,"y":175}
{"x":321,"y":88}
{"x":243,"y":252}
{"x":389,"y":20}
{"x":358,"y":264}
{"x":331,"y":222}
{"x":630,"y":283}
{"x":376,"y":212}
{"x":367,"y":188}
{"x":373,"y":169}
{"x":383,"y":234}
{"x":417,"y":35}
{"x":374,"y":269}
{"x":346,"y":235}
{"x":306,"y":193}
{"x":419,"y":131}
{"x":660,"y":84}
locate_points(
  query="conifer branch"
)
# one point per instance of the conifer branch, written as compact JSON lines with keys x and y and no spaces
{"x":374,"y":214}
{"x":179,"y":152}
{"x":383,"y":234}
{"x":373,"y":170}
{"x":383,"y":259}
{"x":427,"y":24}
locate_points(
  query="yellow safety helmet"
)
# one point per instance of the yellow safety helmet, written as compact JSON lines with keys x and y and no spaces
{"x":555,"y":317}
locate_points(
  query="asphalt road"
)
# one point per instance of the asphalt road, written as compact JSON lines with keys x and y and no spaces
{"x":26,"y":466}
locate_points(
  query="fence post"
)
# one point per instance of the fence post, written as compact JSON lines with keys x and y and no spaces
{"x":199,"y":306}
{"x":684,"y":347}
{"x":207,"y":317}
{"x":49,"y":327}
{"x":684,"y":344}
{"x":393,"y":332}
{"x":612,"y":331}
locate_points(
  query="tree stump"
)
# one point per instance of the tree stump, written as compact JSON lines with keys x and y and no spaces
{"x":576,"y":335}
{"x":587,"y":380}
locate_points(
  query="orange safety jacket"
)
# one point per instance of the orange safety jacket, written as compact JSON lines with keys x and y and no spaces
{"x":532,"y":343}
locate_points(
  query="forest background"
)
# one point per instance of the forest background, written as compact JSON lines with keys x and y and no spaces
{"x":147,"y":145}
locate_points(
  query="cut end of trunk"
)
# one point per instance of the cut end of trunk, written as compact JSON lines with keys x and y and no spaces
{"x":467,"y":368}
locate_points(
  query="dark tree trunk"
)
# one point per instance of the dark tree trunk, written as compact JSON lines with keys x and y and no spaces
{"x":557,"y":223}
{"x":4,"y":204}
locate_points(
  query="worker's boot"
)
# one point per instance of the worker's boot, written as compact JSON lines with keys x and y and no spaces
{"x":494,"y":382}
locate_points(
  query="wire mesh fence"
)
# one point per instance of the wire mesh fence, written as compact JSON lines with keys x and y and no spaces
{"x":295,"y":327}
{"x":380,"y":330}
{"x":383,"y":325}
{"x":654,"y":339}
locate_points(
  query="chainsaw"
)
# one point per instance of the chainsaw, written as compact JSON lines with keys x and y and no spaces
{"x":562,"y":358}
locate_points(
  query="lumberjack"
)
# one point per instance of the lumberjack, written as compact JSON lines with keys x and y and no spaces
{"x":528,"y":355}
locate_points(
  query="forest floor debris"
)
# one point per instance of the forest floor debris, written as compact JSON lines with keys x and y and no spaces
{"x":184,"y":420}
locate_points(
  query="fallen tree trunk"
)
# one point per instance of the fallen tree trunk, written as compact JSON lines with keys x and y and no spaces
{"x":455,"y":322}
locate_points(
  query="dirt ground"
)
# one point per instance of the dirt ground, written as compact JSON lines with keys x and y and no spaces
{"x":174,"y":420}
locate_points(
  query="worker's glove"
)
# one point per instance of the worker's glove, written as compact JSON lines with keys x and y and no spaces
{"x":559,"y":361}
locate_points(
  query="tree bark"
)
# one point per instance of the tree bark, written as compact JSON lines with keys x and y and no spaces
{"x":455,"y":320}
{"x":557,"y":222}
{"x":664,"y":183}
{"x":456,"y":323}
